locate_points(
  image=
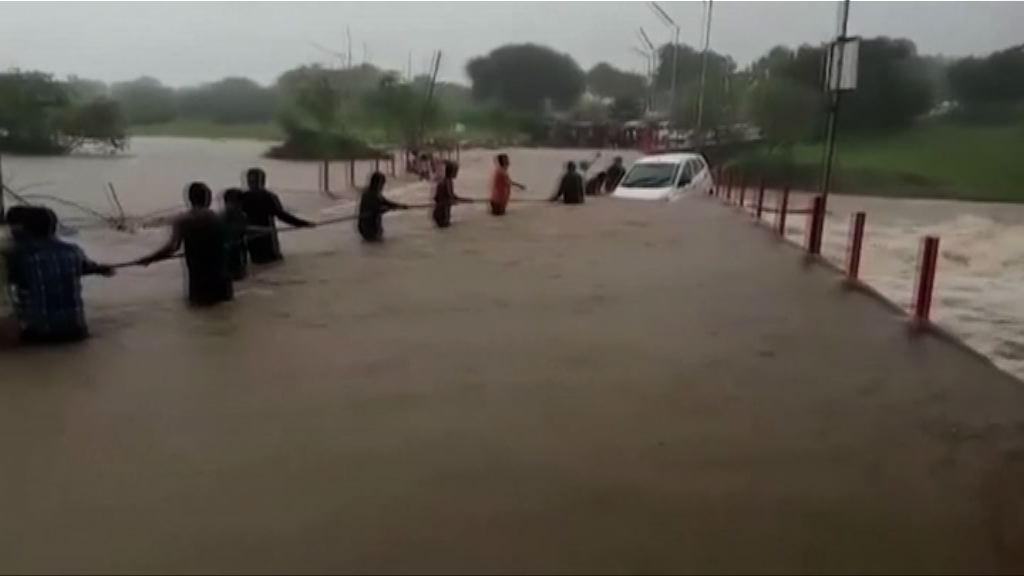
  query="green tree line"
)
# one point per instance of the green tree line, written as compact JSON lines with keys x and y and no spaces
{"x":514,"y":88}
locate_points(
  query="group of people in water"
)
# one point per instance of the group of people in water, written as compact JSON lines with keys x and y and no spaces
{"x":40,"y":274}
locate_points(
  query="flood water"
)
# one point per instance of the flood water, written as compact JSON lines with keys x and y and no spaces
{"x":979,"y":294}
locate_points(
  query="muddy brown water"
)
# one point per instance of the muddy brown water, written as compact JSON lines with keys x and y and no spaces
{"x":979,"y":294}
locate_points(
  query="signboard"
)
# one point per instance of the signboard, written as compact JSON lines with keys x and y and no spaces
{"x":841,"y":65}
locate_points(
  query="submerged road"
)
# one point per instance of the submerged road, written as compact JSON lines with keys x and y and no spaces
{"x":621,"y":387}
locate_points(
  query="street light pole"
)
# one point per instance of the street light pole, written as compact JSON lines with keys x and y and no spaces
{"x":675,"y":50}
{"x":675,"y":70}
{"x":703,"y":73}
{"x":833,"y":116}
{"x":2,"y":191}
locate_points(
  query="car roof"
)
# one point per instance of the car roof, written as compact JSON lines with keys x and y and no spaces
{"x":674,"y":158}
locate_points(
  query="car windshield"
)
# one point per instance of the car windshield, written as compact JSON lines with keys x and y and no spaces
{"x":650,"y":175}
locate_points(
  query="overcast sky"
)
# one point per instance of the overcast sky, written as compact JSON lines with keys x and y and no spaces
{"x":186,"y":43}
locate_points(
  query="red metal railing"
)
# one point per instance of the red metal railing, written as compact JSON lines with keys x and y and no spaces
{"x":925,"y":284}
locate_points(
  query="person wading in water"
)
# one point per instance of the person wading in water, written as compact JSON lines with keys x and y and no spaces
{"x":262,"y":209}
{"x":46,"y":274}
{"x":237,"y":230}
{"x":372,"y":206}
{"x":501,"y":185}
{"x":570,"y":187}
{"x":595,"y":186}
{"x":205,"y":237}
{"x":445,"y":197}
{"x":614,"y":174}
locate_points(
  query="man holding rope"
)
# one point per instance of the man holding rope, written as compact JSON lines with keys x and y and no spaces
{"x":445,"y":196}
{"x":46,"y":275}
{"x":263,"y":208}
{"x":502,"y":185}
{"x":205,"y":236}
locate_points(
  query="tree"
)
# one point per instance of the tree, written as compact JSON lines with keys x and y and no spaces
{"x":145,"y":101}
{"x":893,"y":82}
{"x":609,"y":82}
{"x":688,"y":66}
{"x":85,"y":90}
{"x":100,"y":120}
{"x":626,"y":109}
{"x":785,"y":110}
{"x":400,"y":108}
{"x":995,"y":80}
{"x":527,"y":77}
{"x":893,"y":87}
{"x":350,"y":84}
{"x":229,"y":101}
{"x":29,"y":104}
{"x":37,"y":116}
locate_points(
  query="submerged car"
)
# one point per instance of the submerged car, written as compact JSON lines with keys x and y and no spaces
{"x":665,"y":177}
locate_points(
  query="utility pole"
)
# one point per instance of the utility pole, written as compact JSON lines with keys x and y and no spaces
{"x":703,"y":73}
{"x":429,"y":98}
{"x":834,"y":87}
{"x":675,"y":51}
{"x":653,"y":61}
{"x":348,"y":33}
{"x":3,"y":213}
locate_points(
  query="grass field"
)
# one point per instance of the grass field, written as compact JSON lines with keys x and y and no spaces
{"x":933,"y":160}
{"x":271,"y":132}
{"x":210,"y":130}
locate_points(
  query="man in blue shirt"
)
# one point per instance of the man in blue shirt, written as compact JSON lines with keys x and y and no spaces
{"x":46,"y":274}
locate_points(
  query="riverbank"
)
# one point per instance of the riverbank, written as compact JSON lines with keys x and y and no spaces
{"x":933,"y":160}
{"x":266,"y":131}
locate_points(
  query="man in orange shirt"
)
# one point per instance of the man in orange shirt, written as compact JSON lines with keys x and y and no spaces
{"x":501,"y":186}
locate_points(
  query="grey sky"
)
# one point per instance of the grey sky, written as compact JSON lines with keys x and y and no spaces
{"x":185,"y":43}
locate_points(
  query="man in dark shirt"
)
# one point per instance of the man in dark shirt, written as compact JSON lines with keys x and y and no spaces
{"x":445,"y":196}
{"x":237,"y":225}
{"x":372,"y":206}
{"x":205,"y":237}
{"x":595,"y":186}
{"x":46,"y":275}
{"x":262,"y":209}
{"x":614,"y":174}
{"x":570,"y":188}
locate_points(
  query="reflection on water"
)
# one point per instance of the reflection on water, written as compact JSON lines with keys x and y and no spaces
{"x":981,"y":268}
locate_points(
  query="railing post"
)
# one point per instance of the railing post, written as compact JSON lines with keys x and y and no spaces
{"x":815,"y":226}
{"x":728,"y":189}
{"x":743,"y":191}
{"x":326,"y":175}
{"x":855,"y":245}
{"x":925,"y":284}
{"x":760,"y":200}
{"x":780,"y":217}
{"x":352,"y":173}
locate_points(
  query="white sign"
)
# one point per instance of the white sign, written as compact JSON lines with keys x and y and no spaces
{"x":841,"y":65}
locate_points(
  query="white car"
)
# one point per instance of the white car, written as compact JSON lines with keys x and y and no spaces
{"x":665,"y":177}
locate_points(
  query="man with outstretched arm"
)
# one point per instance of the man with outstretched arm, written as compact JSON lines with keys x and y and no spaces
{"x":205,"y":236}
{"x":262,"y":209}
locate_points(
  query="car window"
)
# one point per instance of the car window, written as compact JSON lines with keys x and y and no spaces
{"x":650,"y":175}
{"x":685,"y":175}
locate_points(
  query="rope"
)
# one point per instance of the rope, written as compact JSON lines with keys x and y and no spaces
{"x":259,"y":232}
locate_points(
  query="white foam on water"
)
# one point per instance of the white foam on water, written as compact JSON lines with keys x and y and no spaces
{"x":979,"y":288}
